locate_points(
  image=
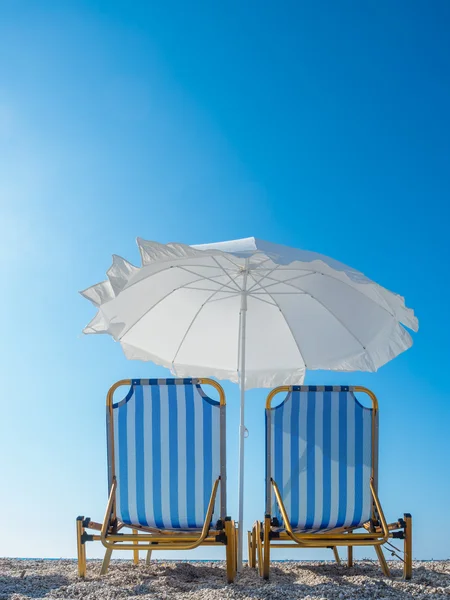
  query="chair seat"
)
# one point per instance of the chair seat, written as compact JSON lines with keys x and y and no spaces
{"x":309,"y":531}
{"x":168,"y":531}
{"x":319,"y":444}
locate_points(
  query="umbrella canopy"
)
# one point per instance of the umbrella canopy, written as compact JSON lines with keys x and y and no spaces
{"x":249,"y":311}
{"x":181,"y":309}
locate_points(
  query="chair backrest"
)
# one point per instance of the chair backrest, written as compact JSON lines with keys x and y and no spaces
{"x":166,"y":448}
{"x":320,"y":454}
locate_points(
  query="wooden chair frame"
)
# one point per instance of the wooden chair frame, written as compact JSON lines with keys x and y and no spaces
{"x":377,"y":531}
{"x":110,"y":532}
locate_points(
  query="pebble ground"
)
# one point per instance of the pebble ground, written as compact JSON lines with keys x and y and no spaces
{"x":27,"y":579}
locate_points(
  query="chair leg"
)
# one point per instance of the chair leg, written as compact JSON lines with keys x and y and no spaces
{"x":135,"y":552}
{"x":382,"y":560}
{"x":407,"y":547}
{"x":259,"y":547}
{"x":350,"y":556}
{"x":252,"y":547}
{"x":81,"y":548}
{"x":337,"y":558}
{"x":266,"y":556}
{"x":230,"y":549}
{"x":236,"y":544}
{"x":105,"y":563}
{"x":148,"y":557}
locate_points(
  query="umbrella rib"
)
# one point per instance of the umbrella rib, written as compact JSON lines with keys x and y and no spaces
{"x":267,"y":276}
{"x":278,"y":282}
{"x":328,"y":310}
{"x":299,"y":293}
{"x":255,"y":294}
{"x":264,"y":288}
{"x":284,"y":268}
{"x":225,"y":255}
{"x":173,"y":267}
{"x":338,"y":319}
{"x":265,"y":301}
{"x":262,"y":278}
{"x":204,"y":277}
{"x":208,"y":266}
{"x":262,"y":263}
{"x":297,"y":345}
{"x":359,"y":292}
{"x":192,"y":322}
{"x":334,"y":279}
{"x":256,"y":283}
{"x":200,"y":289}
{"x":230,"y":295}
{"x":286,"y":281}
{"x":226,"y":272}
{"x":185,"y":285}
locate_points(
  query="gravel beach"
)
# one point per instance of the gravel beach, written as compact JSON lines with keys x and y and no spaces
{"x":25,"y":579}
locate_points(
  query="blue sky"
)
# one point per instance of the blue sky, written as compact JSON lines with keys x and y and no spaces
{"x":319,"y":125}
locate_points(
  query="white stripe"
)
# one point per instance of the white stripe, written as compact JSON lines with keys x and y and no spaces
{"x":367,"y":467}
{"x":334,"y":459}
{"x":199,"y":462}
{"x":182,"y":470}
{"x":318,"y":462}
{"x":350,"y":459}
{"x":272,"y":460}
{"x":165,"y":456}
{"x":131,"y":444}
{"x":165,"y":464}
{"x":116,"y":460}
{"x":148,"y":463}
{"x":287,"y":475}
{"x":302,"y":463}
{"x":216,"y":457}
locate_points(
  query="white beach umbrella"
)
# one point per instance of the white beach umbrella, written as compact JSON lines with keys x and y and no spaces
{"x":249,"y":311}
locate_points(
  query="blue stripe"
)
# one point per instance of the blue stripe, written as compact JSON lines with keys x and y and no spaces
{"x":324,"y":388}
{"x":156,"y":456}
{"x":358,"y":464}
{"x":295,"y":458}
{"x":278,"y":451}
{"x":268,"y":466}
{"x":162,"y":381}
{"x":123,"y":464}
{"x":173,"y":456}
{"x":347,"y":407}
{"x":140,"y":455}
{"x":108,"y":449}
{"x":326,"y":447}
{"x":205,"y":397}
{"x":143,"y":465}
{"x":207,"y":454}
{"x":267,"y":446}
{"x":310,"y":460}
{"x":190,"y":455}
{"x":342,"y":459}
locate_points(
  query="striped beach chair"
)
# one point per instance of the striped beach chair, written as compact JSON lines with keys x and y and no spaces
{"x":166,"y":472}
{"x":321,"y":477}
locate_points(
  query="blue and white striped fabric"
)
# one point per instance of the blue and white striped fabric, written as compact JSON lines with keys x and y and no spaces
{"x":319,"y":444}
{"x":167,"y":452}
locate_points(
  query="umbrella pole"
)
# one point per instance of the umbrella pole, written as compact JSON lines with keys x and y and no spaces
{"x":241,"y":475}
{"x":242,"y":336}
